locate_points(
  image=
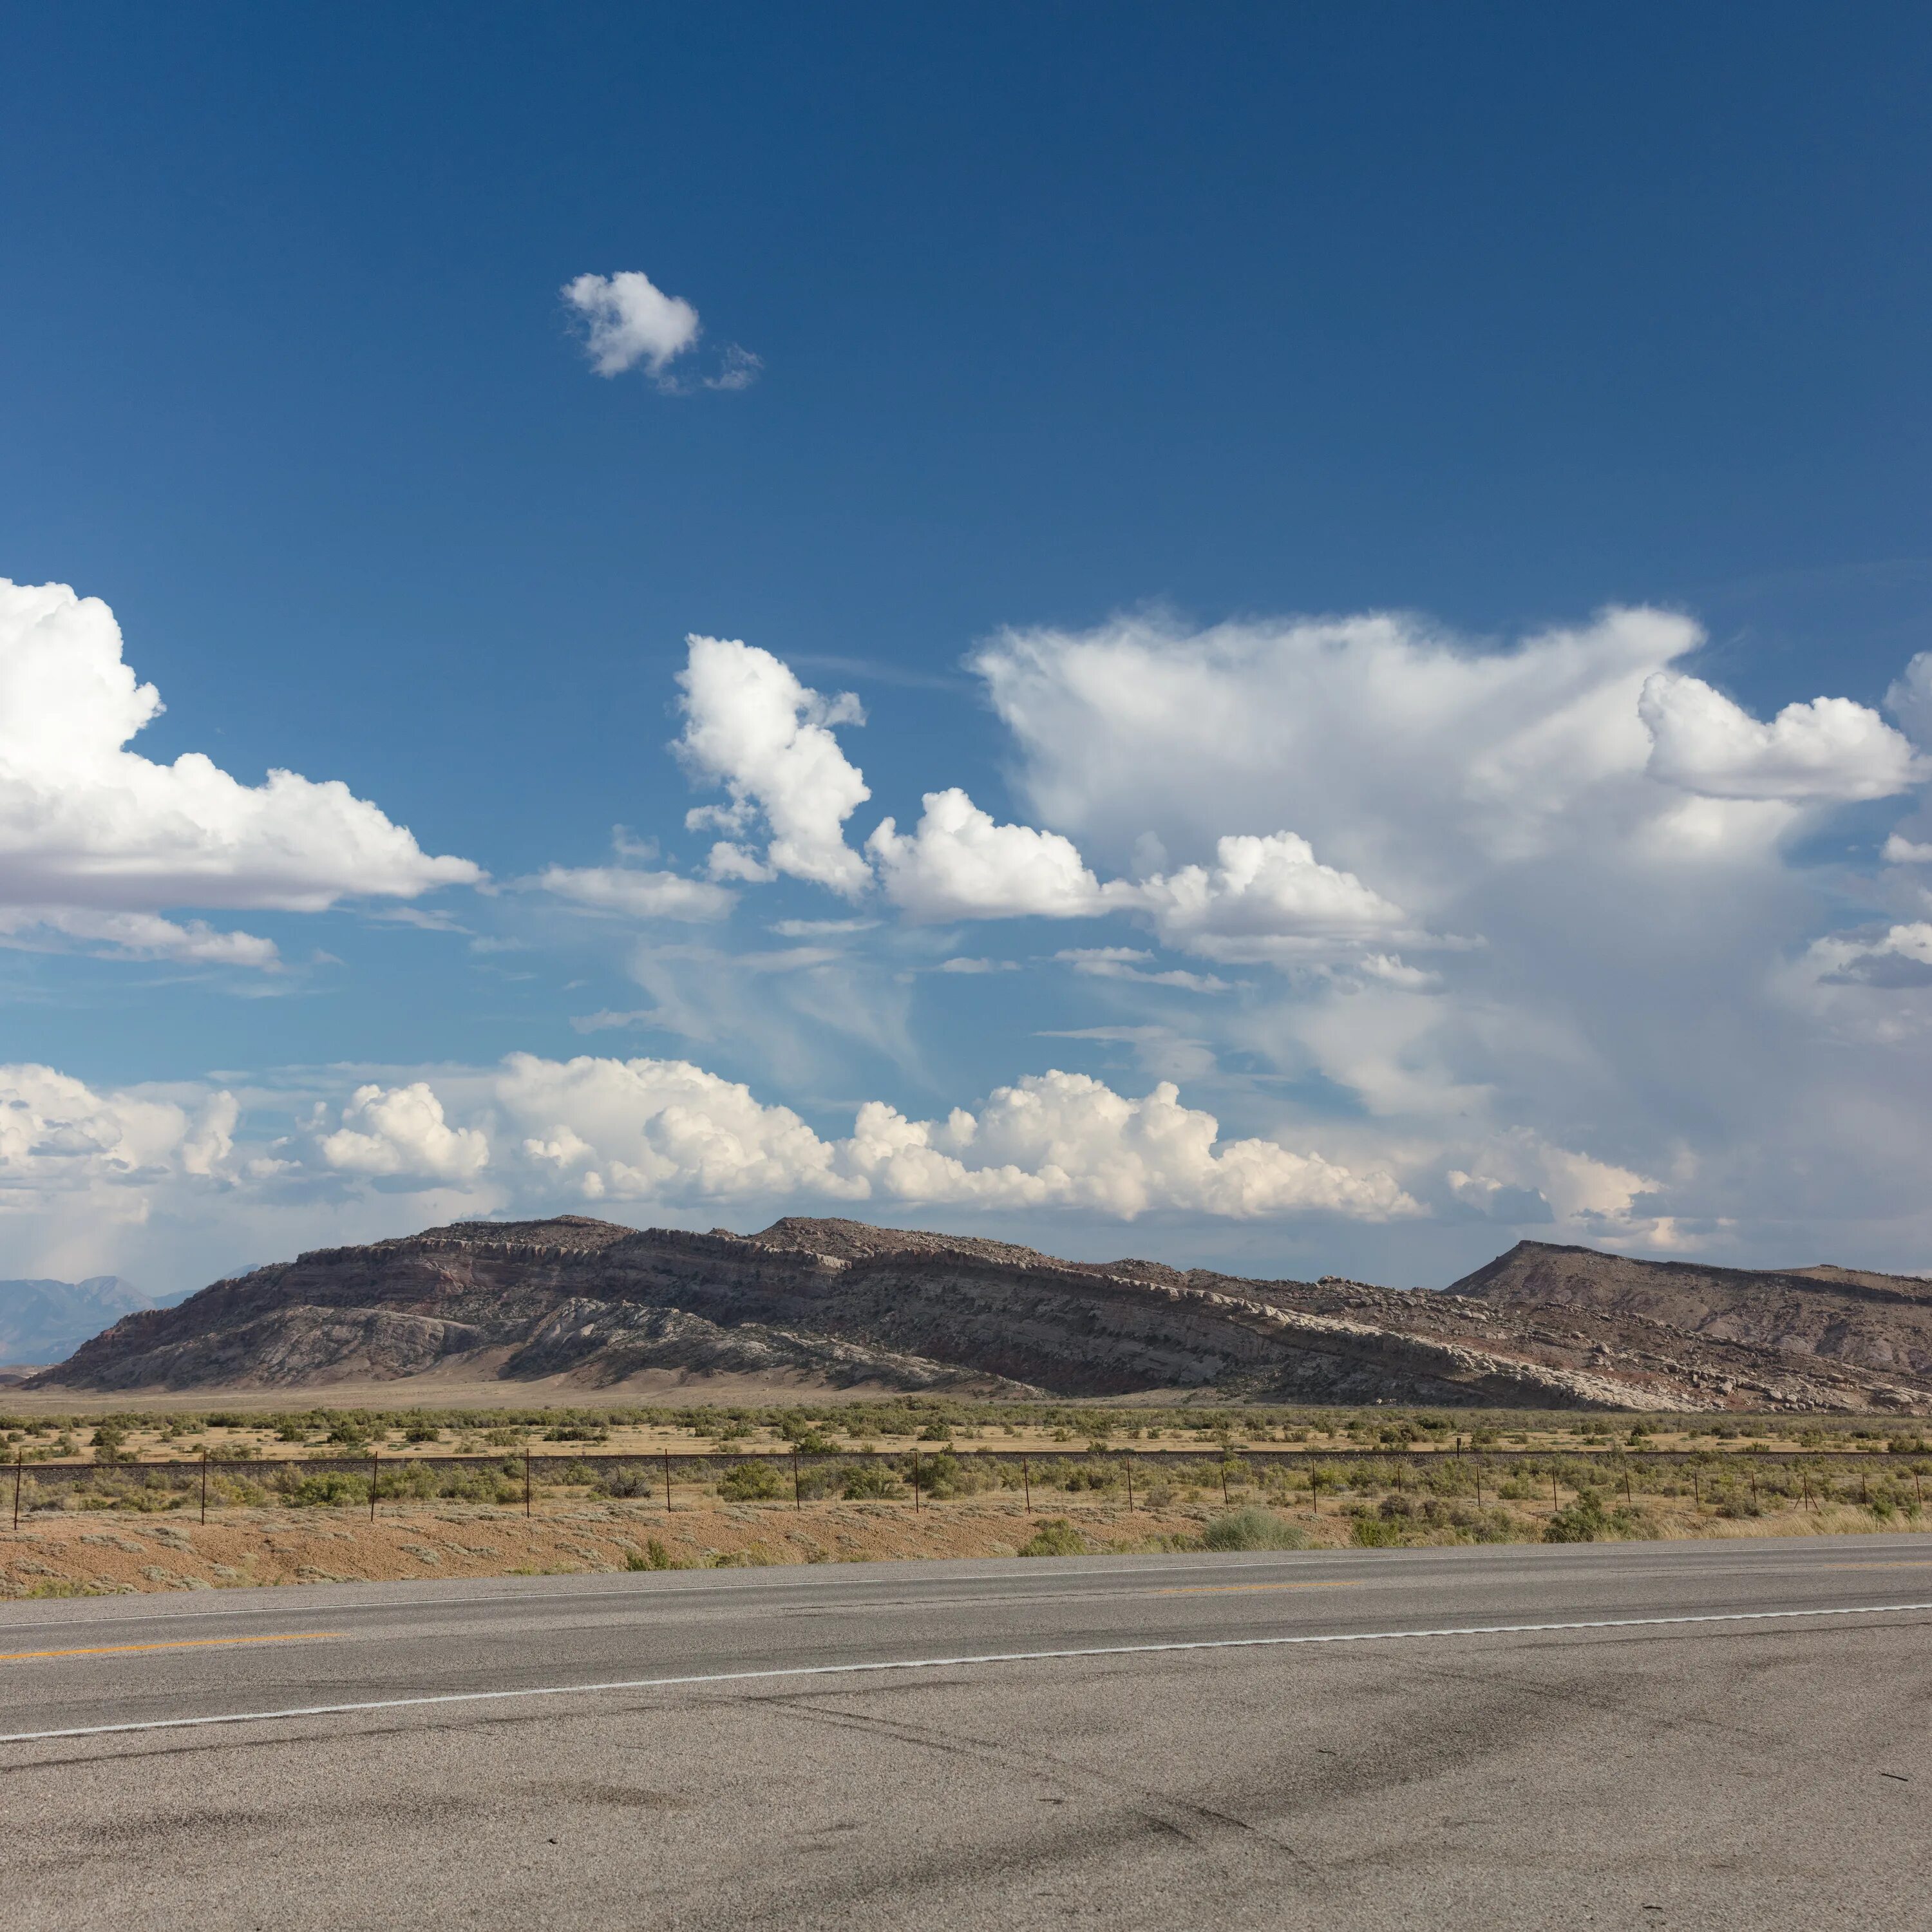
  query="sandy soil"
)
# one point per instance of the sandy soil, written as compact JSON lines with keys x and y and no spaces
{"x":74,"y":1552}
{"x":60,"y":1552}
{"x":435,"y":1389}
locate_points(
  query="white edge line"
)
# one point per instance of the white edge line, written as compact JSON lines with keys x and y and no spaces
{"x":938,"y":1664}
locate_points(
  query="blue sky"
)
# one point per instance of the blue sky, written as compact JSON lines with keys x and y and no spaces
{"x":1130,"y":336}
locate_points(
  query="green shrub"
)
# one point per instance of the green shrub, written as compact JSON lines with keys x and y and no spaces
{"x":1586,"y":1520}
{"x":1055,"y":1538}
{"x":865,"y":1480}
{"x":653,"y":1556}
{"x":629,"y":1479}
{"x":1375,"y":1532}
{"x":331,"y":1488}
{"x":1253,"y":1527}
{"x":754,"y":1482}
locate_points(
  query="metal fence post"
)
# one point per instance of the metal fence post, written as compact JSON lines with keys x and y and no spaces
{"x":1026,"y":1478}
{"x":526,"y":1482}
{"x":666,"y":1456}
{"x":797,"y":1494}
{"x":20,"y":1473}
{"x":374,"y":1459}
{"x":1224,"y":1480}
{"x":1130,"y":1482}
{"x":204,"y":1486}
{"x":915,"y":1479}
{"x":1554,"y":1504}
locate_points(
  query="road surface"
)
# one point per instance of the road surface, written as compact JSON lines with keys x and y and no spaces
{"x":1727,"y":1734}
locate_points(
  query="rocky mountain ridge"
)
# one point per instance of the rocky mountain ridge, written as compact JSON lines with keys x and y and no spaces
{"x":814,"y":1304}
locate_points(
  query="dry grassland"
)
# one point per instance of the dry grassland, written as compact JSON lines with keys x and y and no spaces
{"x":72,"y":1552}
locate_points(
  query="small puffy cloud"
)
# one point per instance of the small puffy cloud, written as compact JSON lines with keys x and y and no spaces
{"x":628,"y":320}
{"x":1900,"y":850}
{"x":631,"y":320}
{"x":751,"y":726}
{"x":96,"y":840}
{"x":399,"y":1133}
{"x":1829,"y":748}
{"x":1264,"y":898}
{"x":958,"y":864}
{"x":636,"y":893}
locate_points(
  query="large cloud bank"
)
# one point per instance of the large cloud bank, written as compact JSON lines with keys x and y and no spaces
{"x":97,"y":842}
{"x":81,"y":1169}
{"x":1555,"y":926}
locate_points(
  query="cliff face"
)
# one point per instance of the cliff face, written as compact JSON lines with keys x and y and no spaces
{"x":1878,"y":1323}
{"x":836,"y":1304}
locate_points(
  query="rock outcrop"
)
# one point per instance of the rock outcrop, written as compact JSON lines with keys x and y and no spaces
{"x":829,"y":1304}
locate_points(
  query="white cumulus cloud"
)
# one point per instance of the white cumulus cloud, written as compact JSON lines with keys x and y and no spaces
{"x":666,"y":1129}
{"x":1617,"y":863}
{"x":96,"y":840}
{"x":1264,"y":898}
{"x":957,"y":863}
{"x":400,"y":1132}
{"x":631,"y":320}
{"x":1829,"y":748}
{"x":751,"y":726}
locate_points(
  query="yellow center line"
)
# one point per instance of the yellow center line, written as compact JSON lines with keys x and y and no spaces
{"x":1228,"y":1589}
{"x":1903,"y":1563}
{"x":182,"y":1643}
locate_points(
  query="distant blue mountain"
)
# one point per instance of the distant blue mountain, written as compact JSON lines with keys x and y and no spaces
{"x":44,"y":1321}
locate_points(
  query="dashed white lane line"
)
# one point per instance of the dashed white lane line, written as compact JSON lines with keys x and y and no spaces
{"x":794,"y":1671}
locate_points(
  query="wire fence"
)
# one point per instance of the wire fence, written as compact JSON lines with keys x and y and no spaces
{"x":1137,"y":1477}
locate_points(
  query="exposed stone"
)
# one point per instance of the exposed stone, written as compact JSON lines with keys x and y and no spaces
{"x":837,"y":1303}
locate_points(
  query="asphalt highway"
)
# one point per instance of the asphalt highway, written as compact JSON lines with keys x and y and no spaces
{"x":1727,"y":1734}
